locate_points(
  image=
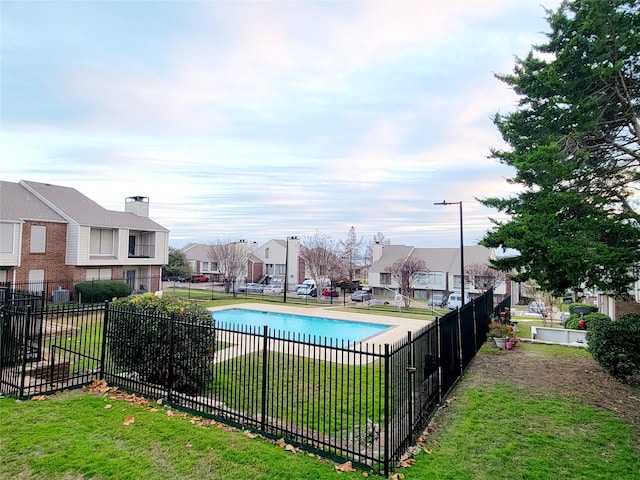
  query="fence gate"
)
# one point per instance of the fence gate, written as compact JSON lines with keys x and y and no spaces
{"x":427,"y":375}
{"x":21,"y":340}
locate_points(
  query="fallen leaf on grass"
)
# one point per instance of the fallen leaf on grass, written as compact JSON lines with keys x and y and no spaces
{"x":189,"y":445}
{"x":170,"y":413}
{"x":39,"y":398}
{"x":107,"y":406}
{"x":345,"y":467}
{"x":289,"y":448}
{"x":397,"y":476}
{"x":247,"y":433}
{"x":129,"y":421}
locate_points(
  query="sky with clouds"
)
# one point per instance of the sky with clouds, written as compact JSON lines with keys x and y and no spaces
{"x":264,"y":119}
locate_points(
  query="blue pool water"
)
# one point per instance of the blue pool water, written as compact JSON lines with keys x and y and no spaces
{"x":281,"y":323}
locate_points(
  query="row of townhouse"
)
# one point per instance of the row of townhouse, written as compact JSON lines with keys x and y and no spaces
{"x":50,"y":233}
{"x":269,"y":263}
{"x":277,"y":259}
{"x":443,"y":271}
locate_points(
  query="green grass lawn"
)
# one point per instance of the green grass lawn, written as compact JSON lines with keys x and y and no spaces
{"x":500,"y":432}
{"x":75,"y":435}
{"x":488,"y":431}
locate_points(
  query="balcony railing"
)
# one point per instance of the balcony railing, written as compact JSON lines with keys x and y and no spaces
{"x":142,"y":251}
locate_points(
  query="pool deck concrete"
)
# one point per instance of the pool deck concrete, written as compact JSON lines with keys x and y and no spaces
{"x":400,"y":326}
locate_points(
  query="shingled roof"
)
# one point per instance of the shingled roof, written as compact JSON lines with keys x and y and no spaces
{"x":42,"y":201}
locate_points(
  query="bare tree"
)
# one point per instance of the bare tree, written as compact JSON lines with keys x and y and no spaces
{"x":321,"y":255}
{"x":351,"y":251}
{"x":405,"y":272}
{"x":484,"y":277}
{"x":231,"y":260}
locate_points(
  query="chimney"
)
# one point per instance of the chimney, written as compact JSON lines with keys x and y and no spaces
{"x":377,"y":251}
{"x":137,"y":205}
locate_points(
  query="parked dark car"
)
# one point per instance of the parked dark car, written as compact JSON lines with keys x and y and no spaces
{"x":177,"y":278}
{"x":361,"y":296}
{"x":199,"y":279}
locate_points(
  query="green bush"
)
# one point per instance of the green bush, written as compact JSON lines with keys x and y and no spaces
{"x":97,"y":291}
{"x":616,"y":346}
{"x":166,"y":341}
{"x":574,"y":320}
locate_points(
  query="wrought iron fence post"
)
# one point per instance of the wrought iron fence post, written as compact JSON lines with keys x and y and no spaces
{"x":387,"y":400}
{"x":460,"y":352}
{"x":4,"y":327}
{"x":265,"y":357}
{"x":439,"y":354}
{"x":172,"y":321}
{"x":103,"y":353}
{"x":411,"y":371}
{"x":25,"y":333}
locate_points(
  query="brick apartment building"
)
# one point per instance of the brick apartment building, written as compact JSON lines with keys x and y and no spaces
{"x":50,"y":233}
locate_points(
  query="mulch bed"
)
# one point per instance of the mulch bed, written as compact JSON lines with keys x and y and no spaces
{"x":578,"y":378}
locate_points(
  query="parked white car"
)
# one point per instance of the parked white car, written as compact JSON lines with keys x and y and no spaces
{"x":273,"y":290}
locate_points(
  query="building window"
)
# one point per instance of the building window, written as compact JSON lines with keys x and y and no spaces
{"x":205,"y":266}
{"x":36,"y":280}
{"x":483,"y":282}
{"x":282,"y":270}
{"x":435,"y":278}
{"x":38,"y":238}
{"x":269,"y":268}
{"x":6,"y":237}
{"x":456,"y":281}
{"x":101,"y":242}
{"x":266,"y":252}
{"x":385,"y":279}
{"x":98,"y":274}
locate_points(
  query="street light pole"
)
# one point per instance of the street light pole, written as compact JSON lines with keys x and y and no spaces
{"x":461,"y":249}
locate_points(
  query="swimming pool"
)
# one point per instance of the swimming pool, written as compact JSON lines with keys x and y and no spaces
{"x":281,"y":323}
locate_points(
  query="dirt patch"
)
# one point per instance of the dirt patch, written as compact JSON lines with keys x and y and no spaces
{"x":575,"y":376}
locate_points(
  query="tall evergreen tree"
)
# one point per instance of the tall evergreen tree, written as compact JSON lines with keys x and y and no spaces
{"x":575,"y":146}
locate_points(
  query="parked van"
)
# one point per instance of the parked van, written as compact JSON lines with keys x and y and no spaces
{"x":307,"y":288}
{"x":455,"y":300}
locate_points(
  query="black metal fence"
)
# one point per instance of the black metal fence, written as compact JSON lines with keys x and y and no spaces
{"x":364,"y":402}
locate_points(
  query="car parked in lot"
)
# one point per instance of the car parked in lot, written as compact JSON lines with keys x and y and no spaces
{"x":273,"y":290}
{"x":437,"y":302}
{"x":330,"y":292}
{"x":361,"y":296}
{"x":250,"y":288}
{"x":199,"y":279}
{"x":177,"y":278}
{"x":538,"y":307}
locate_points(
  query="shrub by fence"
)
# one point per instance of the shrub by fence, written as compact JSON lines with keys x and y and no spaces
{"x":616,"y":346}
{"x":168,"y":342}
{"x":98,"y":291}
